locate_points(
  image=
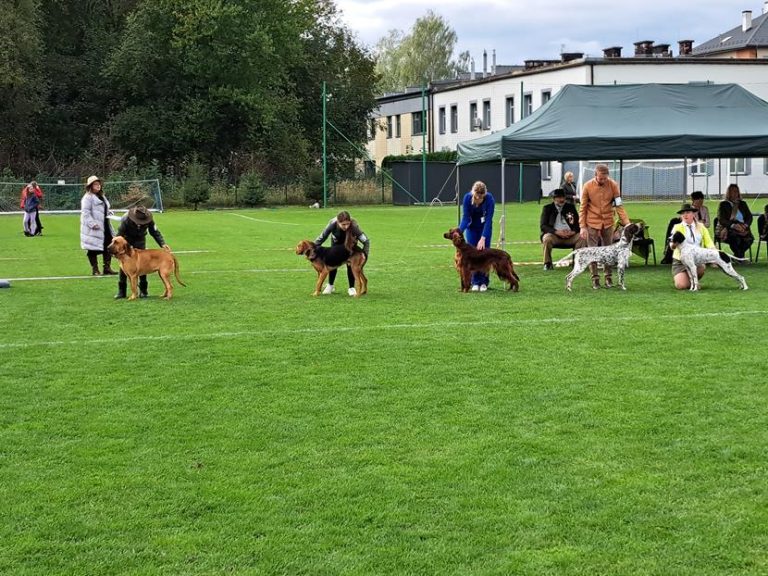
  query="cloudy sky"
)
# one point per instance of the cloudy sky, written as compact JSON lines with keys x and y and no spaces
{"x":523,"y":30}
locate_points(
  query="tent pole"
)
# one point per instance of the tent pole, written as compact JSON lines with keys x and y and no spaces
{"x":685,"y":178}
{"x":503,"y":227}
{"x":458,"y":197}
{"x":621,"y":176}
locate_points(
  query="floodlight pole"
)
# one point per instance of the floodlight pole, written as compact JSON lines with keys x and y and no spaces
{"x":325,"y":156}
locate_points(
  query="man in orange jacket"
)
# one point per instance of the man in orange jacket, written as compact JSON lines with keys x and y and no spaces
{"x":600,"y":197}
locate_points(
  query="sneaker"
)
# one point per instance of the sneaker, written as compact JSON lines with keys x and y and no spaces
{"x":328,"y":289}
{"x":475,"y":288}
{"x":548,"y":266}
{"x":143,"y":295}
{"x":608,"y":283}
{"x":483,"y":288}
{"x":352,"y":292}
{"x":120,"y":295}
{"x":596,"y":283}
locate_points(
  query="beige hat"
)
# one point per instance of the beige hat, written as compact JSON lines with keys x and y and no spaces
{"x":140,"y":215}
{"x":91,"y":180}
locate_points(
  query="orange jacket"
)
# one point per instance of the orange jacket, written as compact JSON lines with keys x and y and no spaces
{"x":597,"y":205}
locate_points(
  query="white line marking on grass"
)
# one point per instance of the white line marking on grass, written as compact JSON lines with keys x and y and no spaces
{"x":265,"y":221}
{"x":375,"y":327}
{"x":192,"y":251}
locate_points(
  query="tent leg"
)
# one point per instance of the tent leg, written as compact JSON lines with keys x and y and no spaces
{"x":458,"y":197}
{"x":503,"y":226}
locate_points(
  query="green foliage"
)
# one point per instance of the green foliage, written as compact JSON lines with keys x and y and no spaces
{"x":248,"y":428}
{"x":423,"y":55}
{"x":251,"y":190}
{"x":442,"y":156}
{"x":313,"y":186}
{"x":195,"y":187}
{"x":163,"y":81}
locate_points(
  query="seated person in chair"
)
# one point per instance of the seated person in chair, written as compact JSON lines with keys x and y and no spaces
{"x":734,"y":219}
{"x":559,"y":226}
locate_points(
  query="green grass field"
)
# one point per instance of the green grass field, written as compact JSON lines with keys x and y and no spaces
{"x":249,"y":428}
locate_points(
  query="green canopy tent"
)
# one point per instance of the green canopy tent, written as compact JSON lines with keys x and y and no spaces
{"x":637,"y":121}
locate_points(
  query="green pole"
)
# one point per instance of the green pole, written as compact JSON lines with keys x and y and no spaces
{"x":325,"y":156}
{"x":423,"y":146}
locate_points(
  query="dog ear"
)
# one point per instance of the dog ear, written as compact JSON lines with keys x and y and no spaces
{"x":678,"y":237}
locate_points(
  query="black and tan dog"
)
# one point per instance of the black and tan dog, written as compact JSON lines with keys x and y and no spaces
{"x":136,"y":262}
{"x":469,"y":259}
{"x":324,"y":260}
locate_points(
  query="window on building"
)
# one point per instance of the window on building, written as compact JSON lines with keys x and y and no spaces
{"x":417,"y":127}
{"x":738,"y":166}
{"x":372,"y":129}
{"x":509,"y":108}
{"x":486,"y":114}
{"x":441,"y":120}
{"x":527,"y":105}
{"x":699,"y":167}
{"x":545,"y":96}
{"x":473,"y":117}
{"x":397,"y":126}
{"x":389,"y":126}
{"x":454,"y":119}
{"x":765,"y":165}
{"x":546,"y":170}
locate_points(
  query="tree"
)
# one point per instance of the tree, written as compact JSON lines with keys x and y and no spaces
{"x":422,"y":56}
{"x":22,"y":85}
{"x":195,"y":187}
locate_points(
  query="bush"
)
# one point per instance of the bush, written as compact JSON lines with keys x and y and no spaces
{"x":313,"y":188}
{"x":195,"y":187}
{"x":251,"y":190}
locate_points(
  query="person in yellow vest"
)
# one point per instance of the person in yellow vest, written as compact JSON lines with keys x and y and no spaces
{"x":695,"y":233}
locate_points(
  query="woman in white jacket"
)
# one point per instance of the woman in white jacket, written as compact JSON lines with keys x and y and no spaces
{"x":95,"y":230}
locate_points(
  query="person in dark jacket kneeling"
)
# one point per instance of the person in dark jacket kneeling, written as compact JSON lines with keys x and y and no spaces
{"x":134,"y":227}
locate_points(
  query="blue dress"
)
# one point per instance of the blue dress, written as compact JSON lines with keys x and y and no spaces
{"x":477,"y":222}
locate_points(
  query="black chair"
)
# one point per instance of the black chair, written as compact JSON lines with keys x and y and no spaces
{"x":719,"y":242}
{"x":762,"y":233}
{"x":643,"y":245}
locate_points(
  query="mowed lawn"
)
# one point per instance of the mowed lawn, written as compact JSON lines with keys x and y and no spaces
{"x":246,"y":427}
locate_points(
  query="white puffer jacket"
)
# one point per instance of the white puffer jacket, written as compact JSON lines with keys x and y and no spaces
{"x":92,"y":210}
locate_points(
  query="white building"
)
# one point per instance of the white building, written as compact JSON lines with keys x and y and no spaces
{"x":461,"y":110}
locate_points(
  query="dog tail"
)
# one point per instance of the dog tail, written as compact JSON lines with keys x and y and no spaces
{"x":729,"y":257}
{"x":565,"y":261}
{"x":176,"y":270}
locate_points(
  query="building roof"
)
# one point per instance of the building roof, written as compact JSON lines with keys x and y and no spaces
{"x":736,"y":38}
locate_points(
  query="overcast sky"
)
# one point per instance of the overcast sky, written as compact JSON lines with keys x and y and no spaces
{"x":542,"y":29}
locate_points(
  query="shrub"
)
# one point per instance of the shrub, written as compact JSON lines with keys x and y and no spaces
{"x":251,"y":190}
{"x":195,"y":187}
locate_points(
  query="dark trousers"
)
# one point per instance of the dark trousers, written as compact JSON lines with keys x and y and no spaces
{"x":332,"y":277}
{"x":122,"y":283}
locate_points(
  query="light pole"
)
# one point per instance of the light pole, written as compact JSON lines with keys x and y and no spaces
{"x":325,"y":157}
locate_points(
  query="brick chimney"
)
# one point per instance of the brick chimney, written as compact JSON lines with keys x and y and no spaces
{"x":661,"y":50}
{"x":644,"y":48}
{"x":612,"y":52}
{"x":684,"y":47}
{"x":568,"y":56}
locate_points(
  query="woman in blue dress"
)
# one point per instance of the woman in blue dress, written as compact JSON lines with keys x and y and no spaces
{"x":477,"y":226}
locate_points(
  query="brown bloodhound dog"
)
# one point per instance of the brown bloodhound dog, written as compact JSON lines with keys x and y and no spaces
{"x":324,"y":260}
{"x":469,"y":259}
{"x":136,"y":262}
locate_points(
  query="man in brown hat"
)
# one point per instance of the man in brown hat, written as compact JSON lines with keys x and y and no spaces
{"x":134,"y":227}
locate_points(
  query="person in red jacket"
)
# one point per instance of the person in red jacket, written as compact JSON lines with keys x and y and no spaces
{"x":32,"y":188}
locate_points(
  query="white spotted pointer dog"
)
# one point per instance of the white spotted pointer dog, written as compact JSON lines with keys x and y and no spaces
{"x":692,"y":256}
{"x":616,"y":254}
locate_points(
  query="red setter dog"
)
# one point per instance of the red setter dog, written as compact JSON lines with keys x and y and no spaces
{"x":469,"y":259}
